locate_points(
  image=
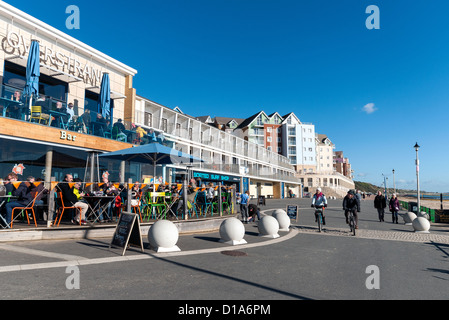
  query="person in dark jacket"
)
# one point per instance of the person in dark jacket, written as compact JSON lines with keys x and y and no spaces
{"x":71,"y":200}
{"x":24,"y":197}
{"x":351,"y":203}
{"x":394,"y":207}
{"x":380,"y":203}
{"x":253,"y":211}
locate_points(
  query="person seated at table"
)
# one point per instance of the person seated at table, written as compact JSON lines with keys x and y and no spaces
{"x":15,"y":110}
{"x":174,"y":188}
{"x":177,"y":199}
{"x":22,"y":192}
{"x":2,"y":188}
{"x":61,"y":118}
{"x":72,"y":200}
{"x":210,"y":193}
{"x":77,"y":190}
{"x":40,"y":192}
{"x":85,"y":121}
{"x":142,"y":135}
{"x":136,"y":194}
{"x":118,"y":130}
{"x":123,"y":194}
{"x":36,"y":190}
{"x":152,"y":136}
{"x":100,"y":125}
{"x":70,"y":112}
{"x":108,"y":189}
{"x":42,"y":102}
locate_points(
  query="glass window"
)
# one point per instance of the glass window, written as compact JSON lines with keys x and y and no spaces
{"x":15,"y":76}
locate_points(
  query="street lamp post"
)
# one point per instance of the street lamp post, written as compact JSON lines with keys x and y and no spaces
{"x":417,"y":179}
{"x":394,"y":183}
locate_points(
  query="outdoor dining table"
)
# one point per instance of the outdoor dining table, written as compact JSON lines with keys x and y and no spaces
{"x":98,"y":205}
{"x":57,"y":115}
{"x":8,"y":103}
{"x":3,"y":200}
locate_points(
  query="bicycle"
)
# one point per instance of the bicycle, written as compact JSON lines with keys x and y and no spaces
{"x":319,"y":217}
{"x":352,"y":225}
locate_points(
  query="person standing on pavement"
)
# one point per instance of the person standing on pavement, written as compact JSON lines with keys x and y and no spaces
{"x":394,"y":207}
{"x":244,"y":201}
{"x":380,"y":203}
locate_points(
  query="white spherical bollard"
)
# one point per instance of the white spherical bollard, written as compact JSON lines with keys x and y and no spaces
{"x":421,"y":225}
{"x":283,"y":219}
{"x":277,"y":212}
{"x":232,"y":232}
{"x":423,"y":214}
{"x":268,"y":227}
{"x":163,"y":236}
{"x":409,"y":217}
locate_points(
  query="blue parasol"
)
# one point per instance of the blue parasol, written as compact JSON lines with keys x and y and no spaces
{"x":33,"y":71}
{"x":104,"y":102}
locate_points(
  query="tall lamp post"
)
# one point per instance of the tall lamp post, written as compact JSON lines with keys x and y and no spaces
{"x":417,"y":179}
{"x":385,"y":186}
{"x":394,"y":183}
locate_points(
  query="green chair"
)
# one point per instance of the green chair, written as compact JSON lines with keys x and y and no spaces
{"x":155,"y":205}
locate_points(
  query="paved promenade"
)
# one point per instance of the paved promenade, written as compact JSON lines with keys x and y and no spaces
{"x":301,"y":264}
{"x":369,"y":225}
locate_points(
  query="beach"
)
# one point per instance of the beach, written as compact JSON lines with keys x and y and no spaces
{"x":432,"y":204}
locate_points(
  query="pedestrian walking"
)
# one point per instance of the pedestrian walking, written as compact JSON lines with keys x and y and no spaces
{"x":380,"y":203}
{"x":394,"y":207}
{"x":244,"y":201}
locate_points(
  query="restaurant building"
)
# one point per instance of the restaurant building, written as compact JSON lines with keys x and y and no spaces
{"x":71,"y":72}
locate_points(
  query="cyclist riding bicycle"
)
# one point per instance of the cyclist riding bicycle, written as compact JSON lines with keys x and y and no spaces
{"x":319,"y":201}
{"x":351,"y":203}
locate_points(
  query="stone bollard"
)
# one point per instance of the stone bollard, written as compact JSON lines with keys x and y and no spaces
{"x":421,"y":225}
{"x":163,"y":236}
{"x":282,"y":218}
{"x":268,"y":227}
{"x":232,"y":232}
{"x":409,"y":217}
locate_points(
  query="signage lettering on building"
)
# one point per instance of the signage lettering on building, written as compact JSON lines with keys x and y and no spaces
{"x":215,"y":177}
{"x":17,"y":45}
{"x":67,"y":136}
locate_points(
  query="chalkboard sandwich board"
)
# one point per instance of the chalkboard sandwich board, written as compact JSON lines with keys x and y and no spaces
{"x":292,"y":212}
{"x":127,"y":232}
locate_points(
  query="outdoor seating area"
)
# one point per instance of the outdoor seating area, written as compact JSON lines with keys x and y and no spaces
{"x":48,"y":111}
{"x":104,"y":202}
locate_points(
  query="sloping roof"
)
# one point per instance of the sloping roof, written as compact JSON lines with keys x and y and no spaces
{"x":227,"y":120}
{"x":247,"y":121}
{"x":288,"y":115}
{"x":322,"y":138}
{"x":205,"y":119}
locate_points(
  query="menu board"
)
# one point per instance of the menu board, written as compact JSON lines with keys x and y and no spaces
{"x":292,"y":212}
{"x":127,"y":232}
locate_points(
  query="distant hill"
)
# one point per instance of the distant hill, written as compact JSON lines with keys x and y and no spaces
{"x":368,"y":187}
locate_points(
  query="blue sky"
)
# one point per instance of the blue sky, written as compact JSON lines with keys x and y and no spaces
{"x":314,"y":58}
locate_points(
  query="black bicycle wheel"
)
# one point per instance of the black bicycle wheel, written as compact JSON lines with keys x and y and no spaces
{"x":320,"y":226}
{"x":352,"y":223}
